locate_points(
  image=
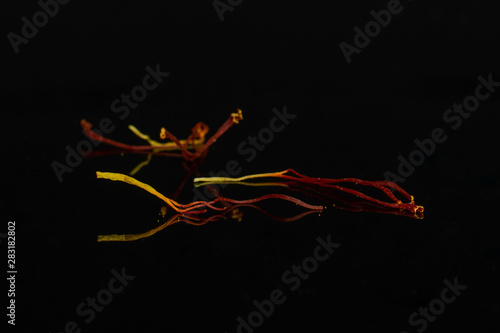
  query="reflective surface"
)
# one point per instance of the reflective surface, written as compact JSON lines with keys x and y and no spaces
{"x":383,"y":114}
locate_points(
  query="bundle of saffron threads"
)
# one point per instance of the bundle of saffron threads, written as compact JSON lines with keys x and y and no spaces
{"x":195,"y":141}
{"x":337,"y":184}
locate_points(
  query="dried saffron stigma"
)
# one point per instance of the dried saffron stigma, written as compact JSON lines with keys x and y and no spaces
{"x":195,"y":141}
{"x":299,"y":180}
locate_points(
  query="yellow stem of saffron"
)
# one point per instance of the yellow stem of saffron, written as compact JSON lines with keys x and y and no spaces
{"x":200,"y":181}
{"x":133,"y":181}
{"x":167,"y":145}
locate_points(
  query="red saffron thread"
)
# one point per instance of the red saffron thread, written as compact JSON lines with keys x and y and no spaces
{"x":198,"y":132}
{"x":382,"y":185}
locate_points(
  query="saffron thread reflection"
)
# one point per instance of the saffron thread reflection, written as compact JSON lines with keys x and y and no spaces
{"x":195,"y":220}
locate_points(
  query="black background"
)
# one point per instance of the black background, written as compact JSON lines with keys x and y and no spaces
{"x":352,"y":120}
